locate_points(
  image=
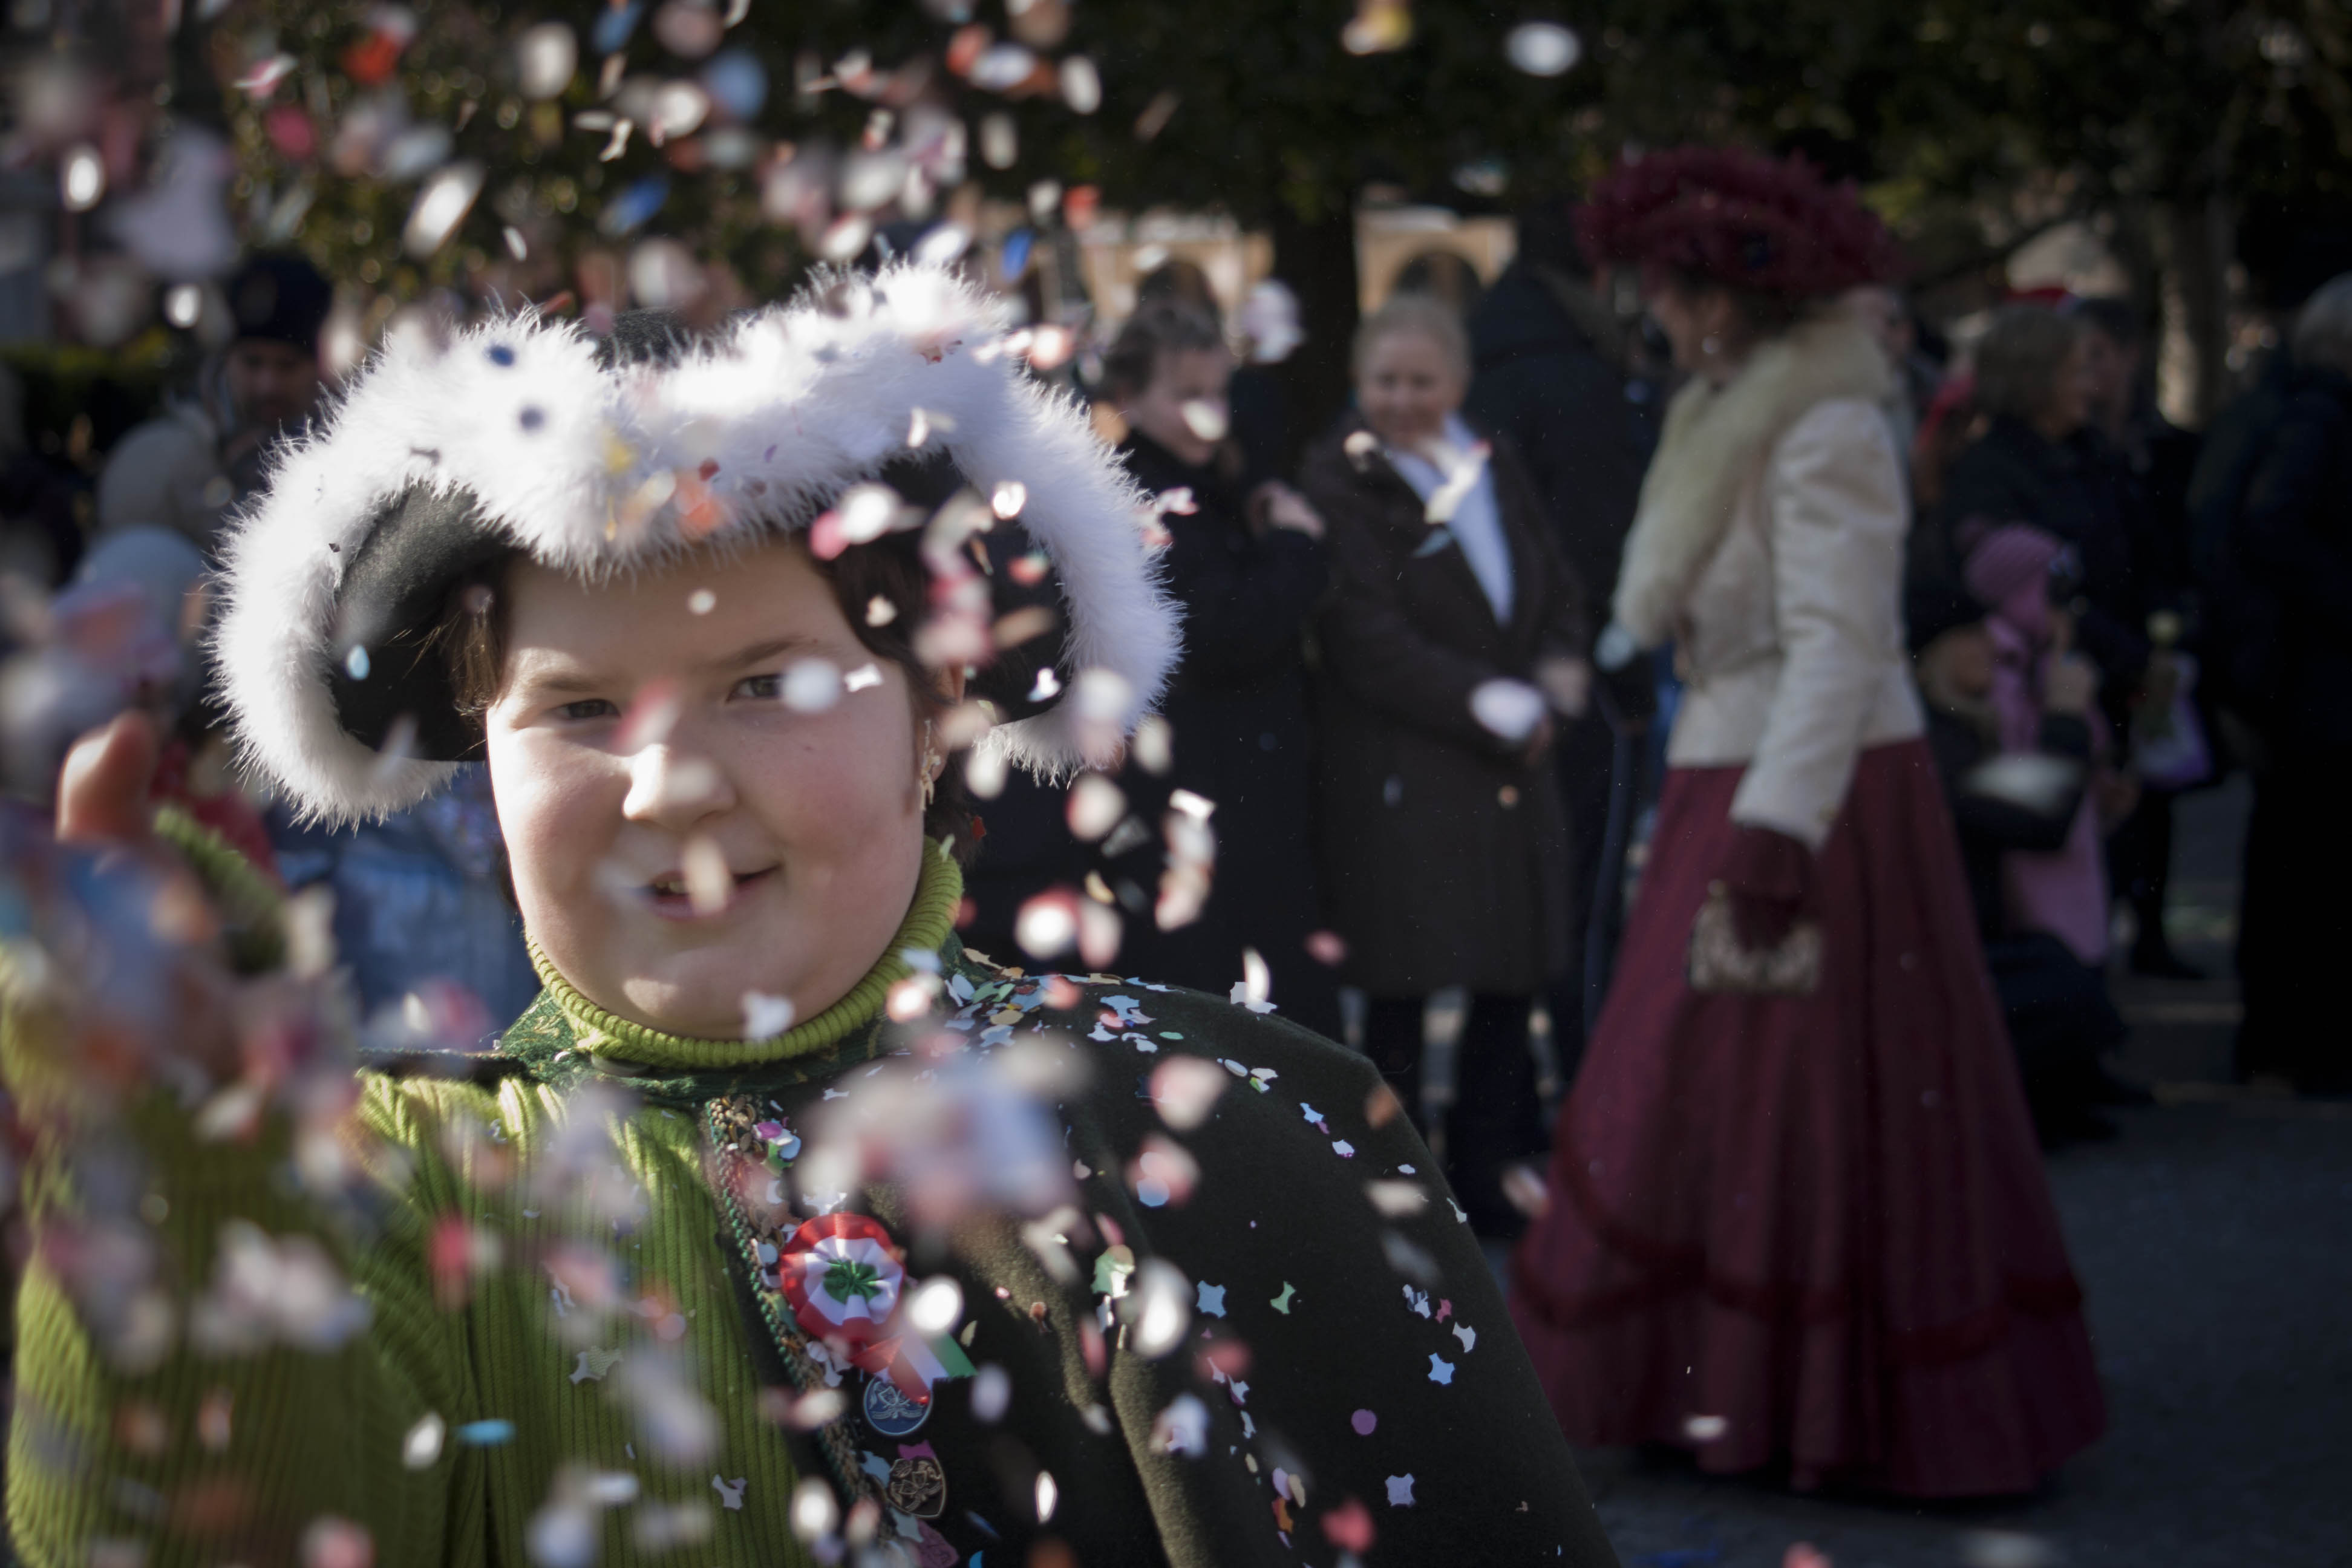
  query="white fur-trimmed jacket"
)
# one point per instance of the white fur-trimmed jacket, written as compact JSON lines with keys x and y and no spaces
{"x":1768,"y":547}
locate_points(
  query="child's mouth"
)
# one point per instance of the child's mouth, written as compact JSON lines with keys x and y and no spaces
{"x":672,"y":897}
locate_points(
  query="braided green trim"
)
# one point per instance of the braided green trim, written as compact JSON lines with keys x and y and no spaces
{"x":834,"y":1437}
{"x":930,"y":920}
{"x":251,"y":905}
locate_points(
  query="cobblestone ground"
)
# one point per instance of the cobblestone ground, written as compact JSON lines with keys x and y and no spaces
{"x":2214,"y":1241}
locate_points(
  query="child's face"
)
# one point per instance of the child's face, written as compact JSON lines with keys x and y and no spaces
{"x":669,"y":869}
{"x":1959,"y":663}
{"x":1183,"y":377}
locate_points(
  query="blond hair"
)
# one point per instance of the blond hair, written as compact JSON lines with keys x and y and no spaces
{"x":1409,"y":313}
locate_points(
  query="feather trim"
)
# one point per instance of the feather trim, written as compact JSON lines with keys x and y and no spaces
{"x":591,"y":469}
{"x":1713,"y":445}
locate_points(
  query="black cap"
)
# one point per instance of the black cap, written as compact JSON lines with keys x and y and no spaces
{"x":280,"y":298}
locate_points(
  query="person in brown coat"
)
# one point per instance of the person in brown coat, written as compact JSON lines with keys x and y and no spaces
{"x":1450,"y":641}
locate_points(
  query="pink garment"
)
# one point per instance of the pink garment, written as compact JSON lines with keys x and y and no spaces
{"x":2062,"y":892}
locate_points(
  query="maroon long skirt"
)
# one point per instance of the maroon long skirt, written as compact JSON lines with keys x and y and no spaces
{"x":1811,"y":1230}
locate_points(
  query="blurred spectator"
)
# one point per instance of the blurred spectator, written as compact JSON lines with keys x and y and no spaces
{"x":1883,"y":309}
{"x":421,"y":907}
{"x":2291,"y":535}
{"x":2038,"y":462}
{"x":40,"y":539}
{"x":1549,"y":380}
{"x":1442,"y":275}
{"x":1246,"y":568}
{"x":1260,"y":423}
{"x":185,"y":469}
{"x":2157,"y":458}
{"x":2158,"y":454}
{"x":2016,"y":738}
{"x":1453,"y":638}
{"x":128,"y":633}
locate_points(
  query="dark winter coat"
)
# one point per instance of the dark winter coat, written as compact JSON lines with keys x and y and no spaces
{"x":1237,"y":707}
{"x":1238,"y":710}
{"x":1543,"y":384}
{"x":1445,"y":854}
{"x":2293,"y":536}
{"x":2076,"y":491}
{"x":2241,"y":620}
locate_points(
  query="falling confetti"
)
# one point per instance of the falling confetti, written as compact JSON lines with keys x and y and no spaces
{"x":811,"y":685}
{"x":765,"y":1016}
{"x":441,"y":206}
{"x":1543,"y":48}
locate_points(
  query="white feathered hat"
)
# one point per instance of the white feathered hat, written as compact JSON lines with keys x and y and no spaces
{"x":530,"y":433}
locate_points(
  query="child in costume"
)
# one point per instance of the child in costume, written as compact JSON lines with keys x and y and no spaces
{"x":781,"y":1227}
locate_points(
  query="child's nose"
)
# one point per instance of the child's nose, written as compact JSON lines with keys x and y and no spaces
{"x":671,"y":788}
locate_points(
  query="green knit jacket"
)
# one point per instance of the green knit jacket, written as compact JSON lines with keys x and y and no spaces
{"x":487,"y":1395}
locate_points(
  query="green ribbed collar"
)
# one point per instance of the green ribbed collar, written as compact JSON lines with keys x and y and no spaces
{"x":632,"y":1049}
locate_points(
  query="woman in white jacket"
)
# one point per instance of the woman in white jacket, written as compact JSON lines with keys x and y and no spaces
{"x":1797,"y":1217}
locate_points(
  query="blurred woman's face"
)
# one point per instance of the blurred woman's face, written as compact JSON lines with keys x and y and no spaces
{"x":1407,"y":386}
{"x":1185,"y":408}
{"x":1703,"y":325}
{"x":682,"y":836}
{"x":2071,"y":390}
{"x":2108,"y":369}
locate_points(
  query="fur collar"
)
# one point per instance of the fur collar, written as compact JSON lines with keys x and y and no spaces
{"x":1716,"y":441}
{"x":590,"y":468}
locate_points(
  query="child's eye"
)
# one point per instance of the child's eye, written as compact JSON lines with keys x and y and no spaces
{"x":761,"y":687}
{"x":587,"y":707}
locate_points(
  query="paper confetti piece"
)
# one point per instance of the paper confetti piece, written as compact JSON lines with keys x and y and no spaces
{"x":1211,"y":1300}
{"x":422,"y":1447}
{"x":485,"y":1434}
{"x":1348,"y":1527}
{"x":1282,"y":1303}
{"x":1467,"y":1335}
{"x":1440,"y":1369}
{"x":1364,"y":1422}
{"x":594,"y":1364}
{"x":731,"y":1493}
{"x":1400,"y":1492}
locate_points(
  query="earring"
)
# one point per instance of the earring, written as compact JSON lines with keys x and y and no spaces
{"x":932,"y":763}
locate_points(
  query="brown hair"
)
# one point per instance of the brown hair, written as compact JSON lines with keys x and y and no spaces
{"x":470,"y":637}
{"x":1767,"y":315}
{"x":1161,"y":327}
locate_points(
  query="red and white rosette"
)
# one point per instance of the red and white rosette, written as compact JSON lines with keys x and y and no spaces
{"x":843,"y":1275}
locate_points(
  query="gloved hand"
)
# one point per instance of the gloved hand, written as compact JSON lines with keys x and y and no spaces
{"x":1769,"y":877}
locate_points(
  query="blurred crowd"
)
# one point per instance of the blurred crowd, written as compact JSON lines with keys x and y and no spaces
{"x":1759,"y":708}
{"x":1402,"y":802}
